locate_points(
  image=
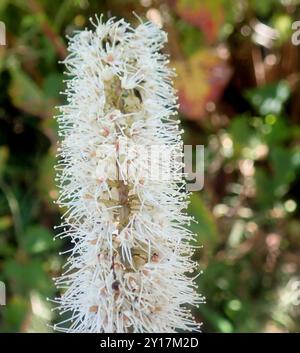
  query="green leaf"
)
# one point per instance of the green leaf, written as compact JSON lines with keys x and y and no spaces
{"x":269,"y":99}
{"x":3,"y":4}
{"x":283,"y":167}
{"x":14,"y":314}
{"x":205,"y":228}
{"x":241,"y":131}
{"x":272,"y":186}
{"x":46,"y":182}
{"x":263,"y":8}
{"x":5,"y":223}
{"x":207,"y":15}
{"x":26,"y":95}
{"x":276,"y":129}
{"x":38,"y":239}
{"x":52,"y":85}
{"x":4,"y":152}
{"x":218,"y":322}
{"x":28,"y":275}
{"x":264,"y":188}
{"x":283,"y":24}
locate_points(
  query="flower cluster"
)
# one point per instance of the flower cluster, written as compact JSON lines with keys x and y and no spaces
{"x":130,"y":255}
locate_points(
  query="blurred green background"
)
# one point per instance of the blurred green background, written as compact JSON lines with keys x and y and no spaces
{"x":238,"y":86}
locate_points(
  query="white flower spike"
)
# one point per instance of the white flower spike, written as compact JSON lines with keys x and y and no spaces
{"x":127,"y":268}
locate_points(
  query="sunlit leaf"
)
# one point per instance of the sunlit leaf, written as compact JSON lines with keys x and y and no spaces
{"x":207,"y":15}
{"x":269,"y":99}
{"x":276,"y":129}
{"x":201,"y":79}
{"x":5,"y":223}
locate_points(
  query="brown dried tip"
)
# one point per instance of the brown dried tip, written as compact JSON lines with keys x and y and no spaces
{"x":116,"y":286}
{"x":93,"y":309}
{"x":155,"y":257}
